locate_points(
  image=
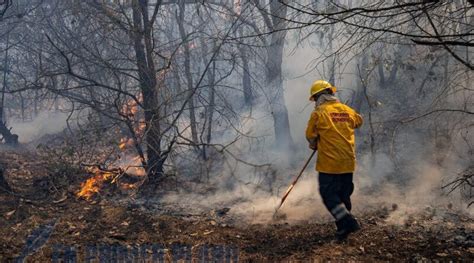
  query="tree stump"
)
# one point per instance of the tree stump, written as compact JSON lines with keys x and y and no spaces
{"x":10,"y":138}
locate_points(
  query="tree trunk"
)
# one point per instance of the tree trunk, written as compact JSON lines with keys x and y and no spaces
{"x":274,"y":79}
{"x":10,"y":139}
{"x":362,"y":72}
{"x":187,"y":71}
{"x":146,"y":72}
{"x":5,"y":81}
{"x":246,"y":80}
{"x":211,"y":79}
{"x":212,"y":98}
{"x":22,"y":105}
{"x":332,"y":61}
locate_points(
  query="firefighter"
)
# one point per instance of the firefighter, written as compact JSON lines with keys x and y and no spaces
{"x":331,"y":131}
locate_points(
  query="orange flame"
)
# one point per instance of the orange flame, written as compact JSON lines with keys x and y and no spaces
{"x":126,"y":164}
{"x":93,"y":185}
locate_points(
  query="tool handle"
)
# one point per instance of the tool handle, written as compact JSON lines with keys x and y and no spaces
{"x":295,"y":181}
{"x":305,"y":165}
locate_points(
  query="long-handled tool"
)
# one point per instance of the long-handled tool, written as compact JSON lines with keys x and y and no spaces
{"x":293,"y":184}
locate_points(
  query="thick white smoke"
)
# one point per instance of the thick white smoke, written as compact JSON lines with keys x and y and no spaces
{"x":44,"y":123}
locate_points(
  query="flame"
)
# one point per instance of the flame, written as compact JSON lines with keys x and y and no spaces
{"x":127,"y":162}
{"x":125,"y":143}
{"x":133,"y":165}
{"x":130,"y":107}
{"x":93,"y":185}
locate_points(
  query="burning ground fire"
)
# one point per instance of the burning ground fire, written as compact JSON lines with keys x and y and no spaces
{"x":93,"y":185}
{"x":127,"y":162}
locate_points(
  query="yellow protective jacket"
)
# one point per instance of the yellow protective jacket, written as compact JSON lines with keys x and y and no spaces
{"x":332,"y":126}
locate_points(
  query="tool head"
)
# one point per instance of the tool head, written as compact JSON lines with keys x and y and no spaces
{"x":279,"y":216}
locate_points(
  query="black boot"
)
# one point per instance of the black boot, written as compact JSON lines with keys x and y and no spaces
{"x":348,"y":225}
{"x":338,"y":226}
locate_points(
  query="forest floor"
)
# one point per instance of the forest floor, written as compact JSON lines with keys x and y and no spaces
{"x":45,"y":227}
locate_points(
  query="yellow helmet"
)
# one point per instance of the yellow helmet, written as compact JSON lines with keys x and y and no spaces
{"x":320,"y":85}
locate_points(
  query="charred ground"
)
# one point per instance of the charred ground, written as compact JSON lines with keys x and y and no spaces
{"x":435,"y":233}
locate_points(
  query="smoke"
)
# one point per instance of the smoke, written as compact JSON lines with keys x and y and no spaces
{"x":249,"y":204}
{"x":408,"y":179}
{"x":410,"y":190}
{"x":373,"y":190}
{"x":44,"y":123}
